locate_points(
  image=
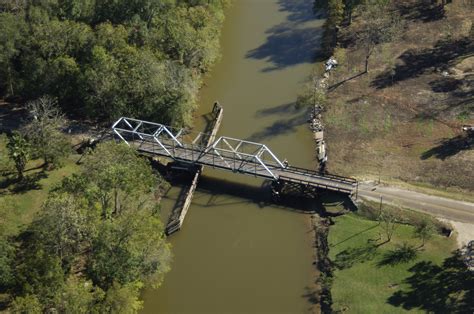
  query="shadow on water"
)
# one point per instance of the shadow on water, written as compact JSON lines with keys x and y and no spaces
{"x":280,"y":127}
{"x":291,"y":42}
{"x":298,"y":115}
{"x":288,"y":108}
{"x":299,"y":11}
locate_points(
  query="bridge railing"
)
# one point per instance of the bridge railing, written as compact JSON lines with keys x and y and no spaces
{"x":347,"y":180}
{"x":192,"y":153}
{"x":238,"y":155}
{"x":333,"y":187}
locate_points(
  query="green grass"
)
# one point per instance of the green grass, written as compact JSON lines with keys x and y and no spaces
{"x":366,"y":286}
{"x":18,"y":207}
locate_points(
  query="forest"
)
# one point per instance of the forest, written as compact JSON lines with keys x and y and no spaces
{"x":104,"y":59}
{"x":90,"y":239}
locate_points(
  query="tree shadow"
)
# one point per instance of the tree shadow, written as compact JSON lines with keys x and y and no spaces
{"x":289,"y":108}
{"x":401,"y":255}
{"x":445,"y":85}
{"x":336,"y":85}
{"x":460,"y":97}
{"x":438,"y":289}
{"x":6,"y":182}
{"x":351,"y":256}
{"x":30,"y":182}
{"x":450,"y":147}
{"x":280,"y":127}
{"x":355,"y":235}
{"x":417,"y":62}
{"x":11,"y":116}
{"x":311,"y":295}
{"x":291,"y":42}
{"x":421,"y":11}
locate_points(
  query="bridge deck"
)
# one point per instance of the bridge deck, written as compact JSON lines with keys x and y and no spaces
{"x":239,"y":163}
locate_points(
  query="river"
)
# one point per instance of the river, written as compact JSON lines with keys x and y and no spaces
{"x":237,"y":253}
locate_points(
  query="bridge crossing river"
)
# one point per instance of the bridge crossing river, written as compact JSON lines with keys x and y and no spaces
{"x":231,"y":154}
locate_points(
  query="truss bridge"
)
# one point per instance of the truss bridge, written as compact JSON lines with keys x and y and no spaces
{"x":226,"y":153}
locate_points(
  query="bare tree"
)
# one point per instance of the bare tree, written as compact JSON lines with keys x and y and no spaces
{"x":44,"y":130}
{"x":389,"y":223}
{"x":380,"y":25}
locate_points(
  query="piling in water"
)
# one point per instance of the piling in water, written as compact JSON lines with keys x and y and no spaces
{"x":177,"y":216}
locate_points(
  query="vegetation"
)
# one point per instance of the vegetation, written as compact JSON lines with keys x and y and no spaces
{"x":43,"y":131}
{"x":107,"y":59}
{"x":394,"y":276}
{"x":90,"y":241}
{"x":424,"y":231}
{"x":380,"y":25}
{"x":97,"y":239}
{"x":401,"y":121}
{"x":18,"y":151}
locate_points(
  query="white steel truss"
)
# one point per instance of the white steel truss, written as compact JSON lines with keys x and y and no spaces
{"x":240,"y":154}
{"x":230,"y":153}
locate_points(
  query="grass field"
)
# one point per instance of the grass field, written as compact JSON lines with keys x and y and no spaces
{"x":20,"y":203}
{"x":369,"y":278}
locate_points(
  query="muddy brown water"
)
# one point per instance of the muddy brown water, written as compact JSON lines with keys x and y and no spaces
{"x":237,"y":252}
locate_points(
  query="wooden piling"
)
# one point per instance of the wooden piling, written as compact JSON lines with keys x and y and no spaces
{"x":176,"y":219}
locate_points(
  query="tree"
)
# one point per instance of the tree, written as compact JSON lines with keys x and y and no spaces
{"x":424,"y":231}
{"x":128,"y":244}
{"x":11,"y":38}
{"x":128,"y":249}
{"x":314,"y":93}
{"x":335,"y":15}
{"x":27,"y":304}
{"x":121,"y":180}
{"x":65,"y":227}
{"x":38,"y":272}
{"x":349,"y":7}
{"x":123,"y":299}
{"x":44,"y":131}
{"x":380,"y":25}
{"x":79,"y":296}
{"x":389,"y":223}
{"x":7,"y":255}
{"x":19,"y":152}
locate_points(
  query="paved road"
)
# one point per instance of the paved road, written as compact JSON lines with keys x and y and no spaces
{"x":434,"y":205}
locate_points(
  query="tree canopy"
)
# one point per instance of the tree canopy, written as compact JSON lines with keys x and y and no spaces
{"x":104,"y":59}
{"x":97,"y":240}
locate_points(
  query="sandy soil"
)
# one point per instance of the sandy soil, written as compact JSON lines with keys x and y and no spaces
{"x":464,"y":231}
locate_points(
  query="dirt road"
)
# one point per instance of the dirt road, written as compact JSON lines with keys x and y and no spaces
{"x":434,"y":205}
